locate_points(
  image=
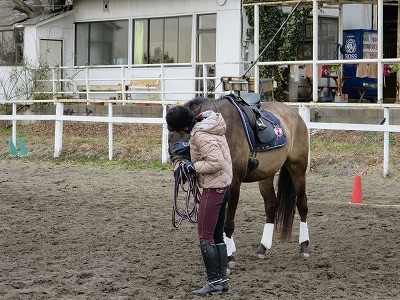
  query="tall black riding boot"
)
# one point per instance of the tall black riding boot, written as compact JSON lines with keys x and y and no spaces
{"x":222,"y":266}
{"x":210,"y":257}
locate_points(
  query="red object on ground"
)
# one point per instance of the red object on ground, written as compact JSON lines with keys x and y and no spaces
{"x":357,"y":191}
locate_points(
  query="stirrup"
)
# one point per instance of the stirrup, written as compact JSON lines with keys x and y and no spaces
{"x":260,"y":124}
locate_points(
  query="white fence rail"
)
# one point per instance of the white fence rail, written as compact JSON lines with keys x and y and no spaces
{"x":304,"y":109}
{"x":386,"y":127}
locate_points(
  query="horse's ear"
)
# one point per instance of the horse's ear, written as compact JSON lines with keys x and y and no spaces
{"x":196,"y":109}
{"x":169,"y":106}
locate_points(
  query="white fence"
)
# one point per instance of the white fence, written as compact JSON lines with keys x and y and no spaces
{"x":304,"y":109}
{"x":386,"y":127}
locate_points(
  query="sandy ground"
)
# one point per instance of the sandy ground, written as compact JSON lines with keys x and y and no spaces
{"x":72,"y":233}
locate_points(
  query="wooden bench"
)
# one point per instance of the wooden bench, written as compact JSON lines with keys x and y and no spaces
{"x":146,"y":85}
{"x":101,"y":89}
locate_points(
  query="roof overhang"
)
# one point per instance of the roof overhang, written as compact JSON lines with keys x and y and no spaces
{"x":328,"y":2}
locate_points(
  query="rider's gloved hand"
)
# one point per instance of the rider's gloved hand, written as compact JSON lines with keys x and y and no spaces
{"x":180,"y":147}
{"x":189,"y":167}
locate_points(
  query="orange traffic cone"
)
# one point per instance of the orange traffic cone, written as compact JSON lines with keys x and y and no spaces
{"x":357,"y":191}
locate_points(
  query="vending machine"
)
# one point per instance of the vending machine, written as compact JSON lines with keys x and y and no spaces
{"x":359,"y":44}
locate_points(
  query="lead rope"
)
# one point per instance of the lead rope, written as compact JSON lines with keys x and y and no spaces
{"x":186,"y":183}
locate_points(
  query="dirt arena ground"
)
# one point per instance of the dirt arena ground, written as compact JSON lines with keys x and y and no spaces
{"x":90,"y":233}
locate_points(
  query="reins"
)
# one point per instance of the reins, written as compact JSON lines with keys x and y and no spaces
{"x":186,"y":183}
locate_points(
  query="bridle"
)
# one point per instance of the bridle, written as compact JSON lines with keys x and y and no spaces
{"x":185,"y":182}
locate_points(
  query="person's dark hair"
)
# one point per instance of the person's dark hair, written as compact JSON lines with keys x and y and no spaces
{"x":179,"y":117}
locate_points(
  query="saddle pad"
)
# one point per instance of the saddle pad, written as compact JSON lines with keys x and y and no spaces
{"x":255,"y":145}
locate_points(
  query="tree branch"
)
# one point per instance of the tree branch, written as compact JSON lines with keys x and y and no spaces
{"x":31,"y":12}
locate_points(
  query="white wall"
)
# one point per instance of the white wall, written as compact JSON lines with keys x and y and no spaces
{"x":60,"y":28}
{"x":87,"y":10}
{"x":357,"y":16}
{"x":228,"y":32}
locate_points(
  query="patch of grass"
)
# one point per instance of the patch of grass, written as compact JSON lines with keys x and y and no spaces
{"x":139,"y":146}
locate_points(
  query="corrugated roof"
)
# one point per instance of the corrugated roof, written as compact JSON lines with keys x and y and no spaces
{"x":38,"y":19}
{"x":8,"y":16}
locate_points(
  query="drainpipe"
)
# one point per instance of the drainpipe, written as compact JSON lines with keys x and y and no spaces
{"x":315,"y":51}
{"x":380,"y":51}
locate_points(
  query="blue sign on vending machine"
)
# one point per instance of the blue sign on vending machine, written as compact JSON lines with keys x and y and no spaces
{"x":359,"y":44}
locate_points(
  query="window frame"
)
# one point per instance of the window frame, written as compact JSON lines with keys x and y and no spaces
{"x":88,"y":50}
{"x":147,"y":60}
{"x":17,"y":60}
{"x":307,"y":39}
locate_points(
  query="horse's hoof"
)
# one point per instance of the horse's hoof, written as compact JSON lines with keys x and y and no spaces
{"x":304,"y":250}
{"x":231,"y":261}
{"x":261,"y":251}
{"x":304,"y":255}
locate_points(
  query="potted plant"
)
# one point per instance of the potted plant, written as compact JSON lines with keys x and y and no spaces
{"x":336,"y":73}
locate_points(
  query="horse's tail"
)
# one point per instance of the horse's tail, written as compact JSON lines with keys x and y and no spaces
{"x":287,"y":204}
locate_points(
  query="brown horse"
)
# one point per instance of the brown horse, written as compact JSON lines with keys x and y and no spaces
{"x":291,"y":160}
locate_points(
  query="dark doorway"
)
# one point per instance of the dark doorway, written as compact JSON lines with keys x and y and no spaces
{"x":390,"y":47}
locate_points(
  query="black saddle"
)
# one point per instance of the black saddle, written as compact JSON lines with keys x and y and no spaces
{"x":262,"y":125}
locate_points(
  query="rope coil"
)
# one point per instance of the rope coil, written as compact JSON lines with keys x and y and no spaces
{"x":186,"y":183}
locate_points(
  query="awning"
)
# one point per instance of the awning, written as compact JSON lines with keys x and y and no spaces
{"x":328,"y":2}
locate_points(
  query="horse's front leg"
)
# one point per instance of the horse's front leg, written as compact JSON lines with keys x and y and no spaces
{"x":230,"y":222}
{"x":270,"y":204}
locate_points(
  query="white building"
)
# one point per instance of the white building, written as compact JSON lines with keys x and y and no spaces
{"x":176,"y":40}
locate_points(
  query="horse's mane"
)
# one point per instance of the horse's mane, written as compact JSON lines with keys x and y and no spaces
{"x":196,"y":104}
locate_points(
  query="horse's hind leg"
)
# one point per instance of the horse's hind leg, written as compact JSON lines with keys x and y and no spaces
{"x":299,"y":181}
{"x":270,"y":203}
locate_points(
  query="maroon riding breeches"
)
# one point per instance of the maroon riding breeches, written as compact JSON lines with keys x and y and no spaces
{"x":211,"y":215}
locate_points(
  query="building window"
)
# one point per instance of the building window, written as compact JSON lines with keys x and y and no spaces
{"x":206,"y":50}
{"x":327,"y":39}
{"x":11,"y":47}
{"x":162,"y":40}
{"x":102,"y":43}
{"x":206,"y":38}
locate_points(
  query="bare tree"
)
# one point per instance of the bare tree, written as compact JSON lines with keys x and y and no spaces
{"x":38,"y":7}
{"x":23,"y":82}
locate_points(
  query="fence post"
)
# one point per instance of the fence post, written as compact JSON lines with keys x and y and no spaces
{"x":205,"y":87}
{"x":162,"y":84}
{"x":14,"y":123}
{"x":110,"y":132}
{"x":58,"y":127}
{"x":164,"y":138}
{"x":58,"y":130}
{"x":305,"y":114}
{"x":386,"y":143}
{"x":123,"y":91}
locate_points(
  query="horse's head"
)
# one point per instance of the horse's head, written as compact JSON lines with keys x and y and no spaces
{"x":178,"y":146}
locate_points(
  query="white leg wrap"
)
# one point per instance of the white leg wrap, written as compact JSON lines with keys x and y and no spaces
{"x":230,"y":245}
{"x":268,"y":233}
{"x":303,"y":236}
